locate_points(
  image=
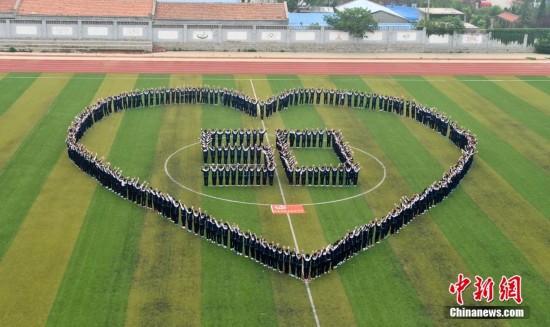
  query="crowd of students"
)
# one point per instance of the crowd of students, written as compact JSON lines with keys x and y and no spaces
{"x":246,"y":162}
{"x":344,"y":174}
{"x":305,"y":266}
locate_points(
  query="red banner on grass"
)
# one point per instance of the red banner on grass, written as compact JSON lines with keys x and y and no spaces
{"x":281,"y":209}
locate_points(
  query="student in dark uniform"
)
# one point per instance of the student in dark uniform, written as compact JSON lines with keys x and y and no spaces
{"x":314,"y":135}
{"x":189,"y":217}
{"x":341,"y":172}
{"x":280,"y":258}
{"x":264,"y":175}
{"x":239,"y":153}
{"x":334,"y":174}
{"x":214,"y":170}
{"x":307,"y":265}
{"x":246,"y":174}
{"x":202,"y":223}
{"x":205,"y":154}
{"x":196,"y":217}
{"x":258,"y":175}
{"x":271,"y":174}
{"x":286,"y":260}
{"x":233,"y":169}
{"x":315,"y":175}
{"x":221,"y":173}
{"x":225,"y":154}
{"x":227,"y":175}
{"x":378,"y":231}
{"x":309,"y":176}
{"x":232,"y":154}
{"x":205,"y":170}
{"x":251,"y":176}
{"x":240,"y":174}
{"x":245,"y":154}
{"x":299,"y":265}
{"x":293,"y":263}
{"x":252,"y":153}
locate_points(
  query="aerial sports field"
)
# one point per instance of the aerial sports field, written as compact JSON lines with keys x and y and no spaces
{"x":72,"y":253}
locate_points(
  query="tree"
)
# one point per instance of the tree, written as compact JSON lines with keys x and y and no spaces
{"x":318,"y":3}
{"x":542,"y":15}
{"x":483,"y":17}
{"x":292,"y":5}
{"x":442,"y":26}
{"x":543,"y":45}
{"x":355,"y":21}
{"x":527,"y":13}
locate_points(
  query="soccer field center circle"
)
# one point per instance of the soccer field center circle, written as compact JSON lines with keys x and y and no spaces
{"x":189,"y":146}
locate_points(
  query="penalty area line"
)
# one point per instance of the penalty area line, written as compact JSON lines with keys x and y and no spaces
{"x":313,"y":309}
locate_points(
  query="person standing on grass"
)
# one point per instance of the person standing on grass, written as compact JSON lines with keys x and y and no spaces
{"x":205,"y":170}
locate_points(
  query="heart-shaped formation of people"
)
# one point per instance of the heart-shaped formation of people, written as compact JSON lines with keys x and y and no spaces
{"x":292,"y":262}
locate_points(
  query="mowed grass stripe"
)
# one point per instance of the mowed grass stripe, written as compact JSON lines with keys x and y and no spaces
{"x":96,"y":284}
{"x":354,"y":212}
{"x":28,"y":108}
{"x":235,"y":290}
{"x":308,"y":227}
{"x":58,"y":210}
{"x":514,"y":106}
{"x":166,"y":285}
{"x":376,"y":269}
{"x":540,"y":82}
{"x":527,"y":142}
{"x":477,"y":235}
{"x":22,"y":178}
{"x":429,"y":259}
{"x":292,"y":303}
{"x":305,"y":225}
{"x":16,"y":83}
{"x":537,"y":98}
{"x":499,"y":154}
{"x":382,"y":271}
{"x":505,"y":203}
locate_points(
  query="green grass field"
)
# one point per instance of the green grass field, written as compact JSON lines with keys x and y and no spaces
{"x":74,"y":254}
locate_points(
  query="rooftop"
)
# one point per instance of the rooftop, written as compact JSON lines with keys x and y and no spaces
{"x":369,"y":5}
{"x":410,"y":13}
{"x":221,"y":11}
{"x":6,"y":6}
{"x":509,"y":17}
{"x":104,"y":8}
{"x":441,"y":11}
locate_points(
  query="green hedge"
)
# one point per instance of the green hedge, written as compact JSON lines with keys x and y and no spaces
{"x":543,"y":44}
{"x":510,"y":35}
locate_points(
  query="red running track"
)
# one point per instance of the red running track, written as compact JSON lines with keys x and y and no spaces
{"x":275,"y":67}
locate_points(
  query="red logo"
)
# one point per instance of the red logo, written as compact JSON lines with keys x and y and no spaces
{"x":508,"y":288}
{"x":459,"y":287}
{"x":279,"y":209}
{"x":484,"y":289}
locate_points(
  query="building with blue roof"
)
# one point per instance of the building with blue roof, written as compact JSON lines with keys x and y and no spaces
{"x":412,"y":14}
